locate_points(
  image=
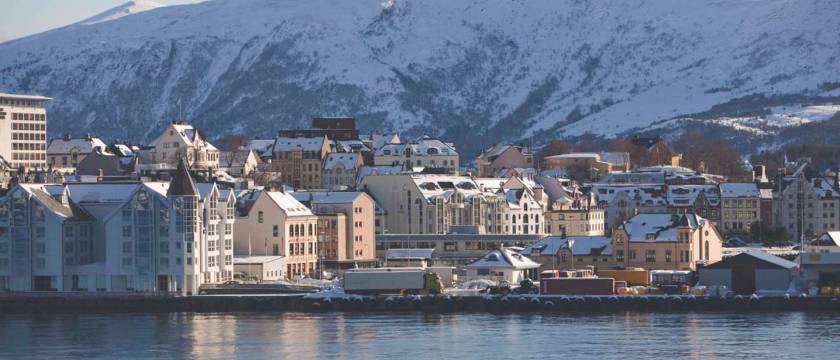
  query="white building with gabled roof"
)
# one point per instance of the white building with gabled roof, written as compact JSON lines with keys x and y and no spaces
{"x":503,"y":264}
{"x":182,"y":140}
{"x":425,"y":152}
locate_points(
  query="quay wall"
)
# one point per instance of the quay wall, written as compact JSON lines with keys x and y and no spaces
{"x":21,"y":303}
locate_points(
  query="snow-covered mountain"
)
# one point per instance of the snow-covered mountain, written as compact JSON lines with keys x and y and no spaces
{"x":472,"y":71}
{"x":129,"y":8}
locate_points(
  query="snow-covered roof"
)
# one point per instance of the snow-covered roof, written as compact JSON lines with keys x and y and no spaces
{"x":327,"y":197}
{"x":577,"y":155}
{"x":352,"y":146}
{"x":422,"y":146}
{"x":686,"y":195}
{"x":61,"y":146}
{"x":736,"y":190}
{"x":659,"y":227}
{"x":615,"y":158}
{"x":282,"y":144}
{"x":379,"y":140}
{"x":432,"y":185}
{"x":346,"y":160}
{"x":648,"y":195}
{"x":288,"y":203}
{"x":830,"y":238}
{"x":760,"y":255}
{"x":504,"y":258}
{"x":824,"y":188}
{"x":578,"y":245}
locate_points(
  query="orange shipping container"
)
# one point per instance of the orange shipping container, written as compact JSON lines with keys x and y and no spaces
{"x":632,"y":277}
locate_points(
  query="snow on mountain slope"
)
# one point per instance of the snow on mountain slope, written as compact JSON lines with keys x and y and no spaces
{"x":129,"y":8}
{"x":473,"y":72}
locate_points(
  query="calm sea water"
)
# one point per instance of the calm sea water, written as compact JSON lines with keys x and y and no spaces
{"x":389,"y":336}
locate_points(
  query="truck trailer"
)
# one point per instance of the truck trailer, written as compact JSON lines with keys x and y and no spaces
{"x":397,"y":281}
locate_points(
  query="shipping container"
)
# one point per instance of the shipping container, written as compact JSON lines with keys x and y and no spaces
{"x":578,"y":286}
{"x":633,"y":277}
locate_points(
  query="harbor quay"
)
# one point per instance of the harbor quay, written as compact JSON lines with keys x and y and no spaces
{"x":280,"y":303}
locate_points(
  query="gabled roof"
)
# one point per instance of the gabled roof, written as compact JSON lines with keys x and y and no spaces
{"x":659,"y":227}
{"x":831,"y":238}
{"x":423,"y":146}
{"x":757,"y":254}
{"x":327,"y":197}
{"x":83,"y":145}
{"x":578,"y":245}
{"x":504,"y":258}
{"x":736,"y":190}
{"x":283,"y":144}
{"x":182,"y":183}
{"x":346,"y":160}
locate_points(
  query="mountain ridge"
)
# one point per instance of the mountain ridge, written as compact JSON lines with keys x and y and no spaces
{"x":471,"y":72}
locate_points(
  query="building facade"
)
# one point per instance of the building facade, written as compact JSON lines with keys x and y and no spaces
{"x":425,"y":152}
{"x":65,"y":153}
{"x":740,"y":207}
{"x":340,"y":170}
{"x":299,"y":160}
{"x":182,"y":140}
{"x":23,"y":130}
{"x":274,"y":223}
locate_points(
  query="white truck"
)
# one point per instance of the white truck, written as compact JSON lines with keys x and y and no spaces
{"x":395,"y":280}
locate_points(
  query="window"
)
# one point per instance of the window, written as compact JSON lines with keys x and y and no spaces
{"x":275,"y":249}
{"x":650,"y":255}
{"x":667,"y":255}
{"x":126,"y":231}
{"x":228,"y":229}
{"x":275,"y":230}
{"x":127,"y":247}
{"x":164,"y":247}
{"x":619,"y":255}
{"x":260,"y":217}
{"x":189,"y":247}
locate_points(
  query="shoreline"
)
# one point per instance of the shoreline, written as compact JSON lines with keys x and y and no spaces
{"x":61,"y":303}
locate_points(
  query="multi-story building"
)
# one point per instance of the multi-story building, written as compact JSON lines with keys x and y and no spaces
{"x":274,"y":223}
{"x":340,"y":169}
{"x":703,"y":200}
{"x":65,"y":153}
{"x":429,"y":203}
{"x":740,"y":207}
{"x":500,"y":157}
{"x":605,"y":162}
{"x":580,"y":217}
{"x":623,"y":201}
{"x":345,"y":228}
{"x":572,"y":252}
{"x":23,"y":130}
{"x":145,"y":237}
{"x":425,"y":152}
{"x":299,"y":160}
{"x":181,"y":140}
{"x":666,"y":242}
{"x":807,"y":204}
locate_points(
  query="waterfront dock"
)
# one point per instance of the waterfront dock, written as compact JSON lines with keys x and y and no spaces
{"x":64,"y":303}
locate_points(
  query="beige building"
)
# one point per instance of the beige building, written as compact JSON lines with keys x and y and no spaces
{"x":425,"y":152}
{"x":182,"y":140}
{"x":346,"y":237}
{"x":667,"y":242}
{"x":299,"y":160}
{"x":340,"y":170}
{"x":431,"y":204}
{"x":740,"y":207}
{"x":65,"y":153}
{"x":649,"y":241}
{"x":274,"y":223}
{"x":23,"y":130}
{"x":604,"y":163}
{"x":572,"y":252}
{"x":500,"y":157}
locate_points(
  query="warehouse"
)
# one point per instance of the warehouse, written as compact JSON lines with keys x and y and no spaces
{"x":750,"y":272}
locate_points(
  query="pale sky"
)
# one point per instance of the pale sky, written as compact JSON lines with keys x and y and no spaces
{"x":26,"y":17}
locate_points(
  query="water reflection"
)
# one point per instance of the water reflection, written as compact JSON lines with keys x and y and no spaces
{"x":364,"y":336}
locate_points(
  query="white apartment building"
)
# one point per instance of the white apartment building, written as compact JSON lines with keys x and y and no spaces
{"x":425,"y":152}
{"x":120,"y":237}
{"x":807,"y":204}
{"x":23,"y":130}
{"x":340,"y":170}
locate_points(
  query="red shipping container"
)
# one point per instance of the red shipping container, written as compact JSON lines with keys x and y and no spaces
{"x":577,"y":286}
